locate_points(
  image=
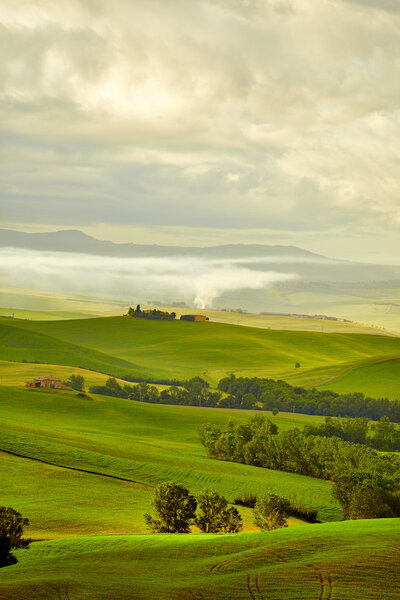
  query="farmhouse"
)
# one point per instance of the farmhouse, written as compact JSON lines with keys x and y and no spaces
{"x":48,"y":382}
{"x":194,"y":318}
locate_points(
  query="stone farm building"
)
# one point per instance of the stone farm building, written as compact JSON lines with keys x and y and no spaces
{"x":194,"y":318}
{"x":48,"y":382}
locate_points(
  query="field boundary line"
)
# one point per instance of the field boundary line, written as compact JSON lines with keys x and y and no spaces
{"x":78,"y":469}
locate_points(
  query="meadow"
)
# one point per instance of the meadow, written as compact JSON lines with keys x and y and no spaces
{"x":161,"y":351}
{"x":108,"y":451}
{"x":84,"y":468}
{"x":354,"y":559}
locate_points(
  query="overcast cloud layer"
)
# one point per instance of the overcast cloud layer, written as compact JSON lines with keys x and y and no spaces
{"x":226,"y":113}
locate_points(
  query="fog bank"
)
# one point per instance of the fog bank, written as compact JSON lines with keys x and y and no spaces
{"x":196,"y":281}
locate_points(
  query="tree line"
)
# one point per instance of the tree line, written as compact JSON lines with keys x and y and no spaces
{"x":194,"y":392}
{"x":269,"y":394}
{"x":257,"y":394}
{"x":381,"y":435}
{"x":152,"y":314}
{"x":366,"y":482}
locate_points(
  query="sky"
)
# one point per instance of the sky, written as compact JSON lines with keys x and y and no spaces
{"x":204,"y":122}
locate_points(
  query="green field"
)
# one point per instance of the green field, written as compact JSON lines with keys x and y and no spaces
{"x":141,"y":444}
{"x":355,"y":560}
{"x":84,"y":469}
{"x":154,"y":350}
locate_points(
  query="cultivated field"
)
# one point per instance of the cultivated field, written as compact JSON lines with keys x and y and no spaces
{"x":357,"y":560}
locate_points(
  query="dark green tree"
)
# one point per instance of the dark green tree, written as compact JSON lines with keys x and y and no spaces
{"x":271,"y":512}
{"x":77,"y":382}
{"x":175,"y":508}
{"x":12,"y":525}
{"x":215,"y":514}
{"x":366,"y":495}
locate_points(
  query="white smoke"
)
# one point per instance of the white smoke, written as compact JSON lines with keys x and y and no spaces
{"x":196,"y":280}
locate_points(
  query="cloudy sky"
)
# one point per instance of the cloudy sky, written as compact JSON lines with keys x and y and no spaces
{"x":204,"y":121}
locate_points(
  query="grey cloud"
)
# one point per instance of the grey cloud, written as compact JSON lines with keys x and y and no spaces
{"x":234,"y":114}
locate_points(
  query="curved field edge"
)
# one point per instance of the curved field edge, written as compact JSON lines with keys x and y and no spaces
{"x":355,"y":559}
{"x":380,"y":375}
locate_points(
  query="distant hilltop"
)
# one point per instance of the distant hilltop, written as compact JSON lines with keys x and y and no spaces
{"x":308,"y":266}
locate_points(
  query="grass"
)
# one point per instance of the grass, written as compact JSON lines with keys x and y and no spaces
{"x":17,"y":374}
{"x":46,"y":315}
{"x":141,"y":443}
{"x":84,"y":469}
{"x":161,"y":350}
{"x":357,"y":560}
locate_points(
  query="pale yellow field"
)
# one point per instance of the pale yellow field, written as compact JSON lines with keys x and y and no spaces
{"x":17,"y":374}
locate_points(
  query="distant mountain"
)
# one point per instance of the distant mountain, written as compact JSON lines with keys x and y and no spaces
{"x":73,"y":240}
{"x":284,"y":259}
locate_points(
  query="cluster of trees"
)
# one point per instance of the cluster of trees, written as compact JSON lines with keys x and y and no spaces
{"x":12,"y":525}
{"x":267,"y":394}
{"x":76,"y":382}
{"x":382,"y":435}
{"x":194,"y":392}
{"x":176,"y":509}
{"x":358,"y":472}
{"x":155,"y":314}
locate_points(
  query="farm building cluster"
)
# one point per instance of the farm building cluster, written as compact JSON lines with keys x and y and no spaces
{"x":193,"y":318}
{"x":48,"y":382}
{"x":161,"y":315}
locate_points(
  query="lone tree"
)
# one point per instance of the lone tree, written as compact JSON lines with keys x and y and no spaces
{"x":216,"y":516}
{"x":77,"y":382}
{"x":271,"y":512}
{"x":12,"y":525}
{"x":175,"y":507}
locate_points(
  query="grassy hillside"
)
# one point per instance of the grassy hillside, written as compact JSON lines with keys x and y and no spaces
{"x":136,"y":446}
{"x":280,"y":321}
{"x":356,"y":559}
{"x":35,"y":300}
{"x":162,"y":350}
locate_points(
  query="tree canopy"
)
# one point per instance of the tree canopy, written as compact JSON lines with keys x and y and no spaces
{"x":12,"y":525}
{"x":175,"y":508}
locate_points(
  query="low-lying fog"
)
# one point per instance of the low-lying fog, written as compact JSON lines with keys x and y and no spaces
{"x":197,"y":281}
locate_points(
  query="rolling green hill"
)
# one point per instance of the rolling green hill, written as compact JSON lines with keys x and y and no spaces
{"x":110,"y":452}
{"x":357,"y":560}
{"x":164,"y":350}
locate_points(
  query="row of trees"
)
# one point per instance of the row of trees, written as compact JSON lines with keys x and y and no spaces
{"x":267,"y":394}
{"x":176,"y":508}
{"x":366,"y":483}
{"x":154,"y":314}
{"x":194,"y":392}
{"x":382,"y":435}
